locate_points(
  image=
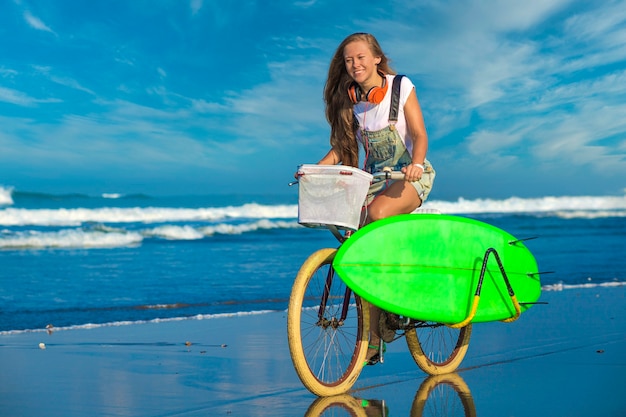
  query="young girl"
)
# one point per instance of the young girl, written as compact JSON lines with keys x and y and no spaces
{"x":358,"y":96}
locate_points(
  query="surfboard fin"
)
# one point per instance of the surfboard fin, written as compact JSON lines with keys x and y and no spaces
{"x":514,"y":242}
{"x":532,"y":274}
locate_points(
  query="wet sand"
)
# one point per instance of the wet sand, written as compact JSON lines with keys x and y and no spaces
{"x":566,"y":358}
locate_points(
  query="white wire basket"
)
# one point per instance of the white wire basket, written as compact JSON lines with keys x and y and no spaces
{"x":331,"y":195}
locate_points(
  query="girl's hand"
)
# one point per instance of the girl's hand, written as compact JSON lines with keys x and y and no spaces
{"x":413,"y":172}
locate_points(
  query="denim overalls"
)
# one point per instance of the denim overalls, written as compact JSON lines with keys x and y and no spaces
{"x":385,"y":148}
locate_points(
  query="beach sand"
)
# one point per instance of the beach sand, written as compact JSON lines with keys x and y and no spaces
{"x":565,"y":358}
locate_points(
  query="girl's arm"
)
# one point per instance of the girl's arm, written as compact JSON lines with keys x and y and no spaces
{"x":331,"y":158}
{"x":417,"y":133}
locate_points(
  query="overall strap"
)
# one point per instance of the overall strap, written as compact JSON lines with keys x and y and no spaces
{"x":395,"y":99}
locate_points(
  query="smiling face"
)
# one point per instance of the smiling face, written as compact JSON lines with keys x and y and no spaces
{"x":361,"y":64}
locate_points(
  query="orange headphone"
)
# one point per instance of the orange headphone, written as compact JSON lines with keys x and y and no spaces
{"x":374,"y":96}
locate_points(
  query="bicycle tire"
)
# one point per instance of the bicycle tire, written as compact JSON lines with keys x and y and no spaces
{"x":327,"y":354}
{"x":436,"y":348}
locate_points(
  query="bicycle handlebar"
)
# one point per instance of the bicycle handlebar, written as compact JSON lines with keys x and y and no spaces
{"x":385,"y":174}
{"x":388,"y":174}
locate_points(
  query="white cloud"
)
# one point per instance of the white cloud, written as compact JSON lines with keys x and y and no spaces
{"x":7,"y":73}
{"x":196,"y":6}
{"x":126,"y":134}
{"x":15,"y":97}
{"x":604,"y":25}
{"x":289,"y":107}
{"x":65,"y":81}
{"x":486,"y":142}
{"x":36,"y":23}
{"x":20,"y":98}
{"x":305,"y":4}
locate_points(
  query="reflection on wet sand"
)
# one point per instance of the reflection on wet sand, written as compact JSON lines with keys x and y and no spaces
{"x":446,"y":395}
{"x":439,"y":395}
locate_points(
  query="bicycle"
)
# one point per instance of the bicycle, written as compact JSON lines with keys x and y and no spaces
{"x":328,"y":325}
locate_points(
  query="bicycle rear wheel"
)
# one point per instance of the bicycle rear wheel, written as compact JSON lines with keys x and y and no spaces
{"x":436,"y":348}
{"x":327,"y":350}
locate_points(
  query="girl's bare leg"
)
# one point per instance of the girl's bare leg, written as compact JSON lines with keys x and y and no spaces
{"x":400,"y":198}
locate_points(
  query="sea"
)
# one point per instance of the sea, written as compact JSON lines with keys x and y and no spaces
{"x":81,"y":261}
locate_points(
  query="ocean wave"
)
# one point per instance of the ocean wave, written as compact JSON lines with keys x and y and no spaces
{"x":586,"y":207}
{"x":5,"y":196}
{"x":230,"y":229}
{"x":89,"y":326}
{"x":42,"y":198}
{"x":112,"y":195}
{"x":77,"y":216}
{"x":68,"y":238}
{"x":565,"y":206}
{"x":562,"y":286}
{"x":581,"y":214}
{"x":174,"y":232}
{"x":101,"y":236}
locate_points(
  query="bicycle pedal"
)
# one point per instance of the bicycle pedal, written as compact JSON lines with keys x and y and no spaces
{"x":405,"y":321}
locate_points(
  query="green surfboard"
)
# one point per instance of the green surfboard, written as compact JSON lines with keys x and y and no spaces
{"x":428,"y":267}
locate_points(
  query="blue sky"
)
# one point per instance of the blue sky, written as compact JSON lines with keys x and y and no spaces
{"x":195,"y":96}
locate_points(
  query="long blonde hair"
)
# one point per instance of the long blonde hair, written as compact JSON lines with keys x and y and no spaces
{"x":339,"y":113}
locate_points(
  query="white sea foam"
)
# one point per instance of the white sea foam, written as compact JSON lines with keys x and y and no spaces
{"x":101,"y":236}
{"x":569,"y":207}
{"x":89,"y":326}
{"x":582,"y":214}
{"x":68,"y":238}
{"x":231,"y":229}
{"x":190,"y":233}
{"x":562,"y":287}
{"x":5,"y":196}
{"x":172,"y":232}
{"x":74,"y":217}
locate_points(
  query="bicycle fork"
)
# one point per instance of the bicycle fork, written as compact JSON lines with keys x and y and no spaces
{"x":324,"y":302}
{"x":335,"y":323}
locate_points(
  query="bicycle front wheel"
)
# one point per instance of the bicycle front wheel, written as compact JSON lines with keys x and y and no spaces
{"x":436,"y":348}
{"x":327,"y":328}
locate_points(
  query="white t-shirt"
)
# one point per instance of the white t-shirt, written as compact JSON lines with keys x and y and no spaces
{"x":374,"y":117}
